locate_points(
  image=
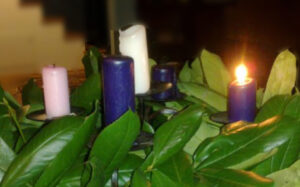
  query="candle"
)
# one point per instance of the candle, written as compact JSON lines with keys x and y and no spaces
{"x":56,"y":91}
{"x":242,"y":97}
{"x":118,"y":87}
{"x":164,"y":73}
{"x":133,"y":43}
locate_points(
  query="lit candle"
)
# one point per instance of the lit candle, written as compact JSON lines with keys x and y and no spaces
{"x":133,"y":43}
{"x":242,"y":97}
{"x":56,"y":91}
{"x":118,"y":87}
{"x":164,"y":74}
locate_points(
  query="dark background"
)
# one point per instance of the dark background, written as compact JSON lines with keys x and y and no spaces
{"x":255,"y":30}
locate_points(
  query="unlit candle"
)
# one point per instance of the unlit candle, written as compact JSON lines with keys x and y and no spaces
{"x":56,"y":91}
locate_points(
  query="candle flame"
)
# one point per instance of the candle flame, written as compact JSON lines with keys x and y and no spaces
{"x":241,"y":73}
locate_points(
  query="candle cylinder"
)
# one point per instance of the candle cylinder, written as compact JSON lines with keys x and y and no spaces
{"x":118,"y":87}
{"x":166,"y":74}
{"x":242,"y":100}
{"x":133,"y":43}
{"x":56,"y":91}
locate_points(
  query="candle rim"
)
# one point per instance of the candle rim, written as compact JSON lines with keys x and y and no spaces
{"x":248,"y":80}
{"x":131,"y":30}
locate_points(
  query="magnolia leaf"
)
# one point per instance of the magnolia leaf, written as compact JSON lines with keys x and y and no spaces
{"x":139,"y":179}
{"x":91,"y":61}
{"x":259,"y":97}
{"x":231,"y":178}
{"x":206,"y":130}
{"x":185,"y":74}
{"x":242,"y":145}
{"x":32,"y":94}
{"x":215,"y":100}
{"x":215,"y":72}
{"x":197,"y":73}
{"x":6,"y":157}
{"x":172,"y":136}
{"x":288,"y":177}
{"x":90,"y":91}
{"x":152,"y":63}
{"x":282,"y":77}
{"x":116,"y":139}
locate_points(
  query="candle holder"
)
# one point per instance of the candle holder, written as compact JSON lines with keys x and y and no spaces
{"x":220,"y":117}
{"x":40,"y":115}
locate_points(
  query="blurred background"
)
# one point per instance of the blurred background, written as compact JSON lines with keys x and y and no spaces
{"x":34,"y":33}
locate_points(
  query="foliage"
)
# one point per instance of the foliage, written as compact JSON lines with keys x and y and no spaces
{"x":187,"y":149}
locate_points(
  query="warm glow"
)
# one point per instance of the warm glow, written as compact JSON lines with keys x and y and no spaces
{"x":241,"y":73}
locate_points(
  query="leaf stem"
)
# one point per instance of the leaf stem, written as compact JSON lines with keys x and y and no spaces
{"x":13,"y":116}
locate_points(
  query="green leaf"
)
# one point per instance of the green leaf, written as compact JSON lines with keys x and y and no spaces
{"x":208,"y":96}
{"x":274,"y":106}
{"x":116,"y":139}
{"x":197,"y":72}
{"x":71,"y":151}
{"x":32,"y":94}
{"x":152,"y":63}
{"x":87,"y":93}
{"x":259,"y":97}
{"x":175,"y":133}
{"x":72,"y":178}
{"x":178,"y":169}
{"x":159,"y":179}
{"x":6,"y":157}
{"x":215,"y":72}
{"x":57,"y":145}
{"x":241,"y":145}
{"x":126,"y":169}
{"x":282,"y":77}
{"x":91,"y":61}
{"x":205,"y":131}
{"x":139,"y":179}
{"x":185,"y":74}
{"x":232,"y":178}
{"x":7,"y":131}
{"x":288,"y":177}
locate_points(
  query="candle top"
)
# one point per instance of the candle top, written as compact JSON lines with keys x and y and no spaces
{"x":131,"y":30}
{"x":118,"y":59}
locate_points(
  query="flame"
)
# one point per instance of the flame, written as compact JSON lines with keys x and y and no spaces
{"x":241,"y":73}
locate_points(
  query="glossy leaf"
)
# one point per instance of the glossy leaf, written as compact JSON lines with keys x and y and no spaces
{"x":66,"y":157}
{"x":232,"y":178}
{"x":32,"y":94}
{"x":197,"y":72}
{"x":206,"y":130}
{"x":139,"y":179}
{"x":282,"y":77}
{"x":259,"y":97}
{"x":288,"y":177}
{"x":55,"y":146}
{"x":274,"y":106}
{"x":215,"y":72}
{"x":6,"y":157}
{"x":185,"y":74}
{"x":175,"y":133}
{"x":159,"y":179}
{"x":112,"y":146}
{"x":87,"y":93}
{"x":178,"y":169}
{"x":208,"y":96}
{"x":152,"y":63}
{"x":91,"y":61}
{"x":241,"y":145}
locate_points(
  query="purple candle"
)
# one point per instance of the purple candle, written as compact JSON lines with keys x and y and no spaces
{"x":242,"y":97}
{"x":118,"y":87}
{"x":164,"y":73}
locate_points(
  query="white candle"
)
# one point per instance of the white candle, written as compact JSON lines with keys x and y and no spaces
{"x":133,"y":43}
{"x":56,"y":91}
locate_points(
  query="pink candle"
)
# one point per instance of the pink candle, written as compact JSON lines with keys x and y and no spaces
{"x":56,"y":91}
